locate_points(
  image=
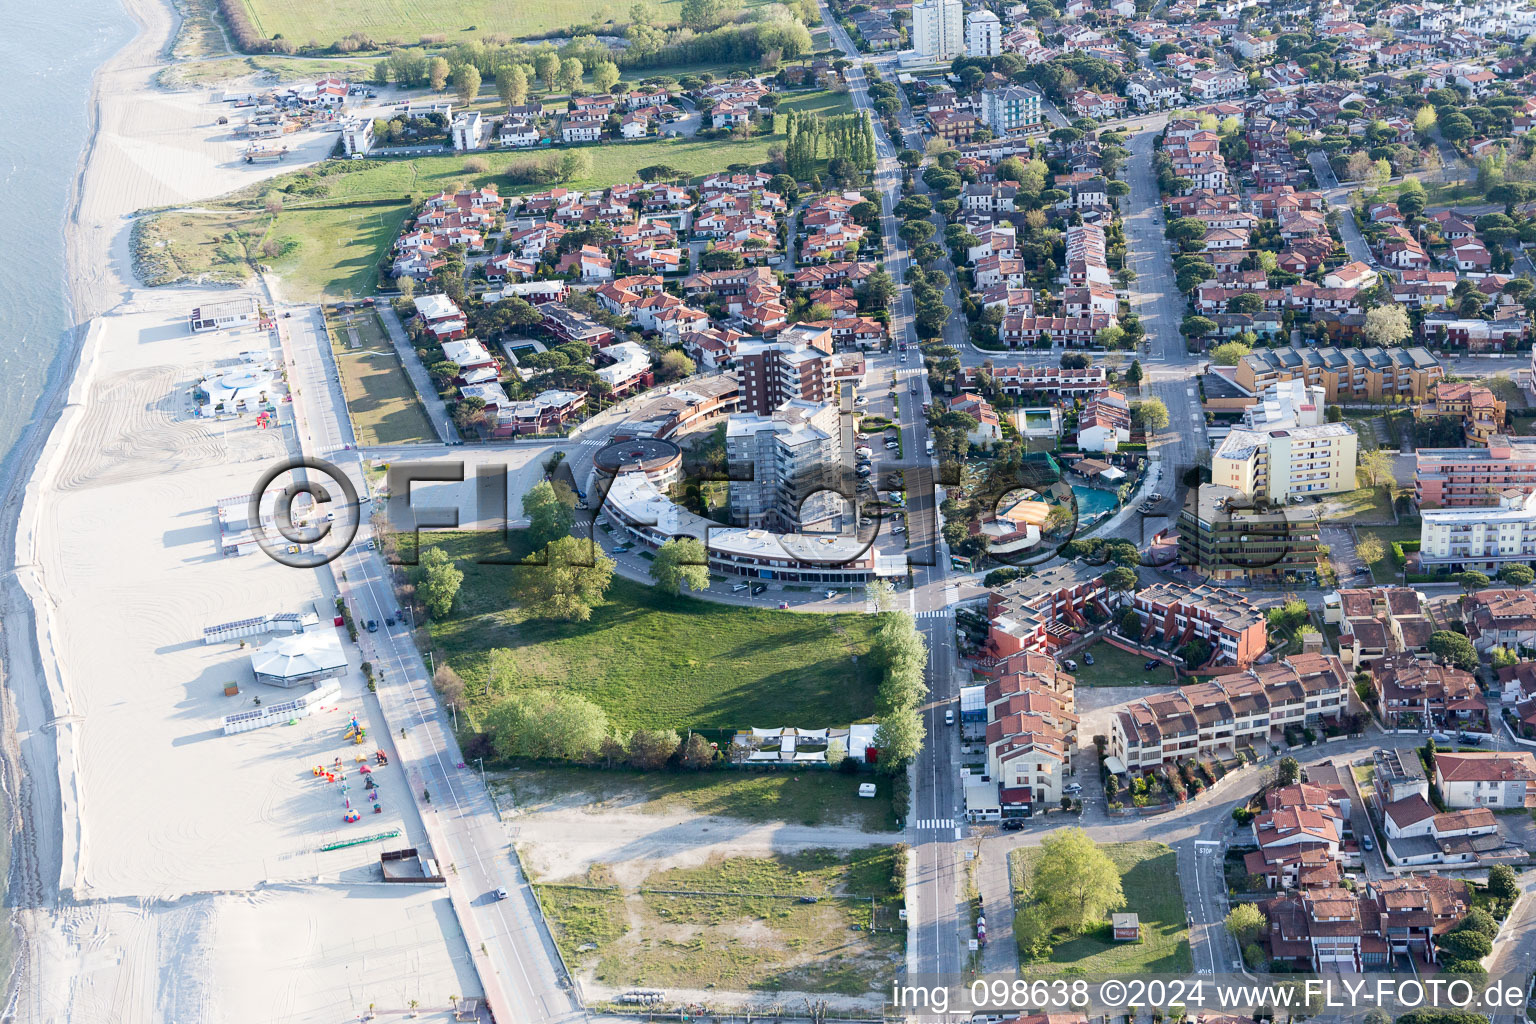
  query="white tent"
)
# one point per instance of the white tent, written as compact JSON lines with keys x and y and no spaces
{"x":300,"y":658}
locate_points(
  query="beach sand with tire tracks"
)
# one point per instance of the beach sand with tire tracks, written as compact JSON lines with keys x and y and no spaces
{"x":162,"y":871}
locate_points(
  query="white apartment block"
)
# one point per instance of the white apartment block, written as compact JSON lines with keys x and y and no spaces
{"x":468,"y":131}
{"x":983,"y":35}
{"x":1276,"y":463}
{"x":938,"y":32}
{"x":1481,"y":537}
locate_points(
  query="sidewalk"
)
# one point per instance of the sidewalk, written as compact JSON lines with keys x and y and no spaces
{"x":437,"y":412}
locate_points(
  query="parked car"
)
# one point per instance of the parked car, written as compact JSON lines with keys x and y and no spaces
{"x":831,"y":595}
{"x":1368,"y":843}
{"x":949,"y":716}
{"x":738,"y":588}
{"x":1013,"y":825}
{"x":758,"y":588}
{"x":1088,"y":657}
{"x":373,"y":625}
{"x":1150,"y":664}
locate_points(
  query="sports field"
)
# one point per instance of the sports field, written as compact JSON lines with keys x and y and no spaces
{"x":461,"y":20}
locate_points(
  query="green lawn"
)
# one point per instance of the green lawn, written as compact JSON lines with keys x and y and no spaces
{"x":653,"y":661}
{"x":1363,"y":504}
{"x":804,"y":798}
{"x":333,"y":253}
{"x":1385,"y":570}
{"x":823,"y":102}
{"x":462,"y":20}
{"x":1114,"y":667}
{"x":1150,"y":878}
{"x":793,"y":921}
{"x":381,"y":402}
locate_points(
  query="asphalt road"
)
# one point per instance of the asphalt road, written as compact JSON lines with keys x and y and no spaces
{"x":512,"y":950}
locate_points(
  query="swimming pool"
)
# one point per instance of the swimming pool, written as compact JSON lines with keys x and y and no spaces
{"x":1092,"y":503}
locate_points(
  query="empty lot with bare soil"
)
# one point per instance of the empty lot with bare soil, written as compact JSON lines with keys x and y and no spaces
{"x":645,"y":888}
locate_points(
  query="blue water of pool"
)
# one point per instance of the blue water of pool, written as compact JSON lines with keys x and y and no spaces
{"x":1092,"y":502}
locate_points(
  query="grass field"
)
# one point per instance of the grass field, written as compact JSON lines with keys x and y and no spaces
{"x":1114,"y":667}
{"x":1363,"y":504}
{"x":1150,"y":878}
{"x":384,"y":408}
{"x":755,"y":930}
{"x":1385,"y":570}
{"x":336,"y":250}
{"x":653,"y":661}
{"x":462,"y":20}
{"x":805,"y":798}
{"x":176,"y":247}
{"x":282,"y":69}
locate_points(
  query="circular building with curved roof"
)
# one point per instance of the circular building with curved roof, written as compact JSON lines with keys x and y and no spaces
{"x":661,"y":461}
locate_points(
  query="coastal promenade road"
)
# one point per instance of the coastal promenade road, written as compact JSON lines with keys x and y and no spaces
{"x":512,"y":950}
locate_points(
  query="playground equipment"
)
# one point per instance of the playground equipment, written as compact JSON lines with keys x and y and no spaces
{"x":351,"y":816}
{"x":354,"y":732}
{"x":380,"y":758}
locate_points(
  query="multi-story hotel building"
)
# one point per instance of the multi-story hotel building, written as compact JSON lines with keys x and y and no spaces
{"x":1222,"y":536}
{"x":1345,"y":375}
{"x":1468,"y":477}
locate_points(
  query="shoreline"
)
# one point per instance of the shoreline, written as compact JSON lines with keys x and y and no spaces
{"x":34,"y":695}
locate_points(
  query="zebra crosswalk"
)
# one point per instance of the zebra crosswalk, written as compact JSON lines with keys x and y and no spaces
{"x":923,"y":823}
{"x":935,"y":613}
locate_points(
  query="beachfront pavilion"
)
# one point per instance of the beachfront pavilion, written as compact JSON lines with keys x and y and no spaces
{"x":300,"y":658}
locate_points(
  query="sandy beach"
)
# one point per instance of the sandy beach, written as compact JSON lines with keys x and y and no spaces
{"x":160,"y":869}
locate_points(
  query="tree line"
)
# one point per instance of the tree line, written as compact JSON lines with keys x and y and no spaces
{"x":841,"y":137}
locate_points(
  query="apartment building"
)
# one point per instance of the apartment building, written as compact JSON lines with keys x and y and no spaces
{"x":1173,"y":614}
{"x":1275,"y":464}
{"x":1029,"y":734}
{"x":1045,"y":611}
{"x":1487,"y":779}
{"x":1483,"y":538}
{"x":1480,"y":412}
{"x":1334,"y":929}
{"x":938,"y":30}
{"x":1469,"y":477}
{"x":1500,"y":617}
{"x":1222,"y":536}
{"x":784,"y":467}
{"x":1213,"y":719}
{"x":775,"y":372}
{"x":1044,"y":380}
{"x":1376,"y":622}
{"x":1416,"y":692}
{"x":1012,"y":108}
{"x":983,"y":34}
{"x":1346,"y":375}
